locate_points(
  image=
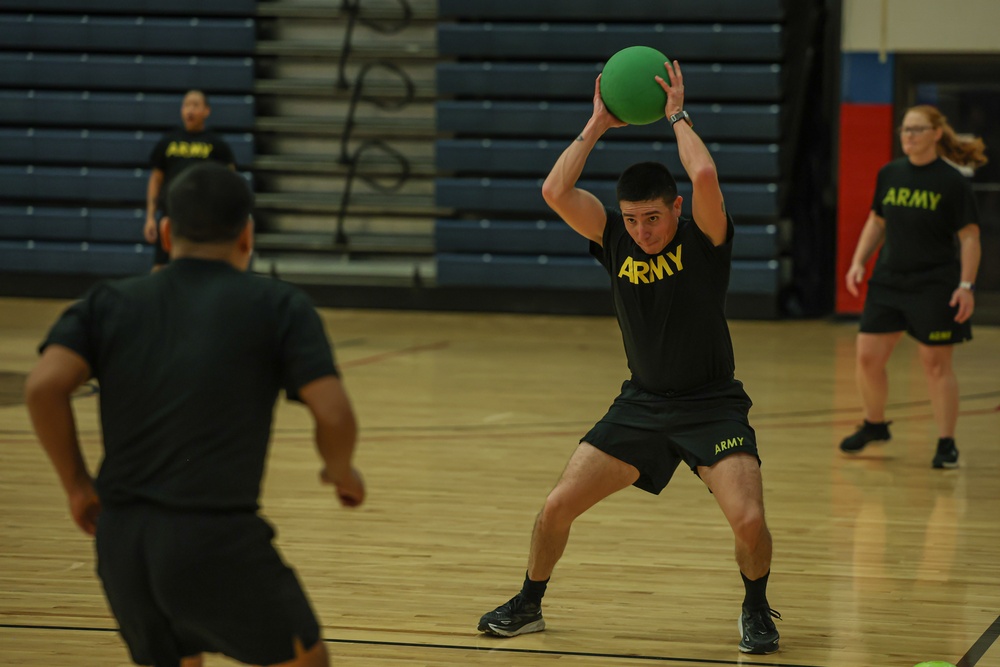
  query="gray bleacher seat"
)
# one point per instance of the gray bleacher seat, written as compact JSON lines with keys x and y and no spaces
{"x":127,"y":34}
{"x":547,"y":237}
{"x":96,"y":147}
{"x":101,"y":72}
{"x":144,"y":7}
{"x":581,"y":41}
{"x":487,"y":118}
{"x":103,"y":259}
{"x":609,"y":158}
{"x":524,"y":196}
{"x":118,"y":110}
{"x":531,"y":271}
{"x":716,"y":82}
{"x":108,"y":225}
{"x":622,"y":10}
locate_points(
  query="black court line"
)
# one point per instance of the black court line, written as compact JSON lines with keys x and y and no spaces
{"x":577,"y":654}
{"x":981,"y":646}
{"x":455,"y":647}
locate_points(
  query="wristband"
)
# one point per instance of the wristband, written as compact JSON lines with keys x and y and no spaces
{"x":680,"y":115}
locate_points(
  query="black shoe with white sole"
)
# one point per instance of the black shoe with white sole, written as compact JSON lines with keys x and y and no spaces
{"x":515,"y":617}
{"x":757,"y":632}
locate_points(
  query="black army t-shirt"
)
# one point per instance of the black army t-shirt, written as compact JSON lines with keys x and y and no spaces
{"x":180,"y":149}
{"x":923,"y":208}
{"x":671,"y":306}
{"x":190,"y":361}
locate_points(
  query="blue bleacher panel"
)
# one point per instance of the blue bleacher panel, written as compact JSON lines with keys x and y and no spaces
{"x":82,"y":184}
{"x":609,"y":158}
{"x":49,"y":223}
{"x":131,"y":110}
{"x":622,"y":10}
{"x":144,"y":7}
{"x":516,"y":237}
{"x":158,"y":73}
{"x":542,"y":271}
{"x":103,"y":259}
{"x":524,"y":196}
{"x":546,"y":237}
{"x":714,"y":122}
{"x":727,"y":82}
{"x":96,"y":147}
{"x":568,"y":41}
{"x":129,"y":35}
{"x":65,"y":184}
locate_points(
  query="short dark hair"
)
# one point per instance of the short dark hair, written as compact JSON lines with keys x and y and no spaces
{"x":208,"y":203}
{"x":646,"y":181}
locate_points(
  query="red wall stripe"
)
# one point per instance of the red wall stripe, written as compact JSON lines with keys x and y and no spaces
{"x":866,"y":140}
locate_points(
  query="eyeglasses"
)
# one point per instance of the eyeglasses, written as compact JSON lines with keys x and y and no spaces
{"x":915,"y":129}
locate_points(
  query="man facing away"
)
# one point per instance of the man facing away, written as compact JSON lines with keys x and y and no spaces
{"x":669,"y":280}
{"x":190,"y":361}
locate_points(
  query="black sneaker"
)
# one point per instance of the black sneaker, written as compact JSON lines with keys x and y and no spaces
{"x":867,"y":432}
{"x":757,"y":632}
{"x":516,"y":617}
{"x":947,"y":454}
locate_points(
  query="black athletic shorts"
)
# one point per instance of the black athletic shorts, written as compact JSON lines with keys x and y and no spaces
{"x":655,"y":433}
{"x":922,"y":312}
{"x":183,"y":583}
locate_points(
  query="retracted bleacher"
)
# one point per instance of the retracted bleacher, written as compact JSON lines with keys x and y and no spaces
{"x":86,"y":89}
{"x":516,"y":88}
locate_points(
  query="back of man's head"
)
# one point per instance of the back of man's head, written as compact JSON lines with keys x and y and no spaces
{"x":209,"y":203}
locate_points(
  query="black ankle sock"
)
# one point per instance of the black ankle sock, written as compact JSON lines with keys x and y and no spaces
{"x":946,"y":442}
{"x":533,"y":591}
{"x":756,"y":595}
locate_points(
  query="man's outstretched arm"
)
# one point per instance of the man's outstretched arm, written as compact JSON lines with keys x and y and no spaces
{"x":707,"y":205}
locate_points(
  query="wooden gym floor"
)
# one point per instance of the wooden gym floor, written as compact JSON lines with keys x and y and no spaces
{"x":467,"y":420}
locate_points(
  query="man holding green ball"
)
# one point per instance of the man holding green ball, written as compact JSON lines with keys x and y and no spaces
{"x":682,"y":404}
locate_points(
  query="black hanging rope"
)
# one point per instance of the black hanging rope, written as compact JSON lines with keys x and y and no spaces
{"x":352,"y":159}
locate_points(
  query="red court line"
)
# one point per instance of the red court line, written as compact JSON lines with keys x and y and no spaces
{"x":374,"y":359}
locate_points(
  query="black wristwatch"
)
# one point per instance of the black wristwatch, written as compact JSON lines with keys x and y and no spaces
{"x":680,"y":115}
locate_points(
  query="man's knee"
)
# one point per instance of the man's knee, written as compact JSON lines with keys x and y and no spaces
{"x":871,"y":359}
{"x":559,"y":510}
{"x":935,"y":366}
{"x":749,"y":526}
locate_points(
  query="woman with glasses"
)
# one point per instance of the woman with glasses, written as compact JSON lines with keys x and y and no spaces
{"x":925,"y":220}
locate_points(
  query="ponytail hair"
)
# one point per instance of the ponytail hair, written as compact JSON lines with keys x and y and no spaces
{"x":964,"y":152}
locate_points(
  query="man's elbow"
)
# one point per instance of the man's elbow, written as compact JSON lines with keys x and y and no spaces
{"x":338,"y":419}
{"x":552,"y":193}
{"x":40,"y":391}
{"x":969,"y":233}
{"x":705,"y":174}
